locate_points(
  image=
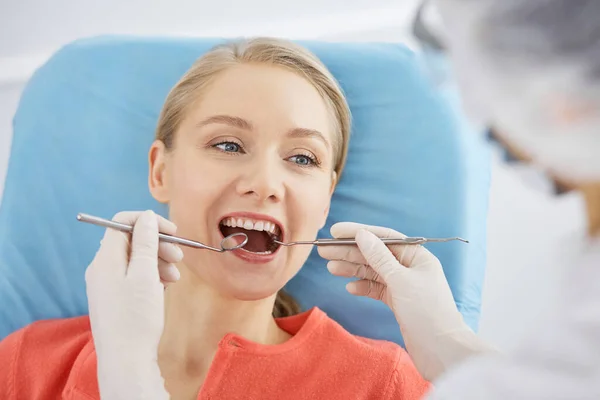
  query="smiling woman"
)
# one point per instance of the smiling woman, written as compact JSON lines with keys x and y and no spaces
{"x":270,"y":116}
{"x":252,"y":139}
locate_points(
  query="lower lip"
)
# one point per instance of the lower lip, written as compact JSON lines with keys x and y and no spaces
{"x":254,"y":258}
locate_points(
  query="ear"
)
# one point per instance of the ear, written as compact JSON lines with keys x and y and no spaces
{"x":157,"y":176}
{"x":333,"y":184}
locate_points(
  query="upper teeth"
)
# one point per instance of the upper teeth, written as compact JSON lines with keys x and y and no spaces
{"x":251,"y":224}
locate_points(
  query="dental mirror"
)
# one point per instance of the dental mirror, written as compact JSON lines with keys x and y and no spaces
{"x":234,"y":241}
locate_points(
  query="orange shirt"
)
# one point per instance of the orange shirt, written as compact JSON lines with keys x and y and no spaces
{"x":55,"y":359}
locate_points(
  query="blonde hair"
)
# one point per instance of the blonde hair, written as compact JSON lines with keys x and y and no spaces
{"x":271,"y":51}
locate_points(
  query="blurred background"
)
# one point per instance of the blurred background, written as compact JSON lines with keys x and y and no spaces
{"x":528,"y":253}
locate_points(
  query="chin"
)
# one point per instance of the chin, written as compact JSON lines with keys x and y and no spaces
{"x":250,"y":293}
{"x":242,"y":280}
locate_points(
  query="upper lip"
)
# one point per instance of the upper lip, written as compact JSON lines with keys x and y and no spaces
{"x":256,"y":216}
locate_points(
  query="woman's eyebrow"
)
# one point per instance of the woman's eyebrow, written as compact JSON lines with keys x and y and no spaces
{"x":236,"y":122}
{"x":241,"y":123}
{"x":308,"y":133}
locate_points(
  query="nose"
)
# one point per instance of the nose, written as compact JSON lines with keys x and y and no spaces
{"x":262,"y":179}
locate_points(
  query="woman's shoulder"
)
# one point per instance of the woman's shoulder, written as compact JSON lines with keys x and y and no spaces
{"x":39,"y":357}
{"x":372,"y":360}
{"x":48,"y":336}
{"x":316,"y":335}
{"x":332,"y":332}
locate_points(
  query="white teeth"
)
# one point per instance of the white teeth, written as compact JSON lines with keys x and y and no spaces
{"x":250,"y":224}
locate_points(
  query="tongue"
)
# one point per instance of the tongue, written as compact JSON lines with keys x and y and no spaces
{"x":258,"y":241}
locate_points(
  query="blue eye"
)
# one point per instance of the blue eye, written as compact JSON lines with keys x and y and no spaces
{"x":228,"y":147}
{"x":303,"y":160}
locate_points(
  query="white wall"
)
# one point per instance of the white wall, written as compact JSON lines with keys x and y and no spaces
{"x":62,"y":20}
{"x":526,"y":255}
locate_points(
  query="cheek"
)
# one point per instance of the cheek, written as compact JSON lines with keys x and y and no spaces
{"x":308,"y":217}
{"x":310,"y":207}
{"x":193,"y":189}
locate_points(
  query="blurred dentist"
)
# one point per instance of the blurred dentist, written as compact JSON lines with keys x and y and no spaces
{"x":531,"y":69}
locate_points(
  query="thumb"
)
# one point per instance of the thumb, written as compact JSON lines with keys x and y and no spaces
{"x":144,"y":248}
{"x":377,"y":255}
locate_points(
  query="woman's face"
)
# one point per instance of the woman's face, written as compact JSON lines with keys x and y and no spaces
{"x":254,"y":154}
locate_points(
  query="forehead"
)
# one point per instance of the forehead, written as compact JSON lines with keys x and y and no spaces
{"x":268,"y":97}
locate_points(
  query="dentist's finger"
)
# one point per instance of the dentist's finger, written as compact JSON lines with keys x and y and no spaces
{"x":367,"y":288}
{"x":143,"y":263}
{"x":350,"y":270}
{"x":352,"y":253}
{"x":113,"y":255}
{"x":405,"y":254}
{"x":378,"y":256}
{"x":131,"y":217}
{"x":168,"y":272}
{"x":170,"y":252}
{"x":350,"y":229}
{"x":349,"y":253}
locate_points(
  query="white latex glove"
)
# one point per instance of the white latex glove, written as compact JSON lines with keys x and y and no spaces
{"x":410,"y":280}
{"x":126,"y":305}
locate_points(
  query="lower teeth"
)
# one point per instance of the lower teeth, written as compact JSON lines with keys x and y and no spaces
{"x":262,"y":253}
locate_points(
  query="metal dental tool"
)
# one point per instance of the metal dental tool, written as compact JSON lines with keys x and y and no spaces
{"x":228,"y":243}
{"x":350,"y":241}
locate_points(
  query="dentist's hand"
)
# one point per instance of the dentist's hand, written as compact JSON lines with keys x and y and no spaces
{"x":126,"y":305}
{"x":410,"y":280}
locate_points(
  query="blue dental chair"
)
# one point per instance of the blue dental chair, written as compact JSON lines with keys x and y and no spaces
{"x":86,"y":120}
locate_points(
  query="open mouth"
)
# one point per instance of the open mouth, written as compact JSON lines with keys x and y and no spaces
{"x":260,"y":233}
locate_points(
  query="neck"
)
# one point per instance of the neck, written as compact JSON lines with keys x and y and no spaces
{"x":591,"y":194}
{"x":197,"y":318}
